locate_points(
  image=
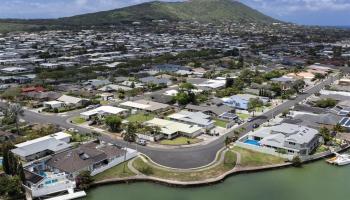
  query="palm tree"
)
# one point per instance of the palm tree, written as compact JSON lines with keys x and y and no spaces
{"x":338,"y":128}
{"x":130,"y":136}
{"x":15,"y":111}
{"x":227,"y":141}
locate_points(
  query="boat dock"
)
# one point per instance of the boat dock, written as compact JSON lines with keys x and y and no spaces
{"x":69,"y":196}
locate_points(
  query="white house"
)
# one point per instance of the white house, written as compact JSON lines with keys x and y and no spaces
{"x":41,"y":147}
{"x":103,"y":111}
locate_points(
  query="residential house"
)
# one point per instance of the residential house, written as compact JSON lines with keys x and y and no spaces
{"x":214,"y":110}
{"x":103,"y":111}
{"x":72,"y":101}
{"x":42,"y":183}
{"x":193,"y":118}
{"x":41,"y":147}
{"x":241,"y":101}
{"x":171,"y":129}
{"x":156,"y":81}
{"x":146,"y":106}
{"x":291,"y":138}
{"x":94,"y":157}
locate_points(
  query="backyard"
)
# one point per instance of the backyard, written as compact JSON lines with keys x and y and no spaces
{"x":140,"y":117}
{"x":221,"y":123}
{"x":115,"y":172}
{"x":180,"y":141}
{"x":251,"y":158}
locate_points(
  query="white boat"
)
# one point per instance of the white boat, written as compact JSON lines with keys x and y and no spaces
{"x":340,"y":159}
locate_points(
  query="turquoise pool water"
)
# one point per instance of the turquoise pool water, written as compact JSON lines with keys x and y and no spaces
{"x":252,"y":142}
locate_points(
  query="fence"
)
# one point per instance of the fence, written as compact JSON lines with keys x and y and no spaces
{"x":130,"y":154}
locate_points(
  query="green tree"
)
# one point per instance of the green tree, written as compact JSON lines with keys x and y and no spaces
{"x":84,"y":180}
{"x":253,"y":104}
{"x":130,"y":136}
{"x":11,"y":93}
{"x":186,"y":87}
{"x":326,"y":134}
{"x":227,"y":141}
{"x":15,"y":111}
{"x":296,"y":161}
{"x":298,"y":85}
{"x":338,"y":128}
{"x":229,"y":82}
{"x":114,"y":122}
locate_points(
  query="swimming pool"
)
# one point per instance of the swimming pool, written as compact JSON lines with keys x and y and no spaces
{"x":252,"y":142}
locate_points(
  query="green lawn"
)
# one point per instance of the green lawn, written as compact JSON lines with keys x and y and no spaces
{"x":115,"y":172}
{"x":180,"y":141}
{"x":221,"y":123}
{"x":141,"y":117}
{"x":228,"y":164}
{"x":243,"y":116}
{"x":78,"y":120}
{"x":251,"y":158}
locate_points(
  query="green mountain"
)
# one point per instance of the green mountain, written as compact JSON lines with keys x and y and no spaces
{"x":191,"y":10}
{"x":214,"y":11}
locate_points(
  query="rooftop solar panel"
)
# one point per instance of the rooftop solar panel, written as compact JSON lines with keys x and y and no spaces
{"x":343,"y":121}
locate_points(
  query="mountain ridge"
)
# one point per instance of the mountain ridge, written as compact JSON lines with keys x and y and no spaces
{"x":205,"y":11}
{"x":192,"y":10}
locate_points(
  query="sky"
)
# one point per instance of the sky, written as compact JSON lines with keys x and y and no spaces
{"x":309,"y":12}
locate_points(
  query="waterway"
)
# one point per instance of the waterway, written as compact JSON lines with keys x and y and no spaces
{"x":316,"y":181}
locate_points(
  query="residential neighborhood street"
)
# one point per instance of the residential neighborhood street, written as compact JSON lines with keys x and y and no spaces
{"x":191,"y":157}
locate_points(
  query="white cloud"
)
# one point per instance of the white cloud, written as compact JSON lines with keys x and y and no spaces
{"x":286,"y":7}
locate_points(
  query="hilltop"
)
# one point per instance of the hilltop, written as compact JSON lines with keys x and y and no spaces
{"x":193,"y":10}
{"x":205,"y":11}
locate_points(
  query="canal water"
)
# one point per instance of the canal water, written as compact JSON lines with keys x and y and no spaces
{"x":316,"y":181}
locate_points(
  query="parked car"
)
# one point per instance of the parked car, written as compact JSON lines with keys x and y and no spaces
{"x":250,"y":119}
{"x":141,"y":142}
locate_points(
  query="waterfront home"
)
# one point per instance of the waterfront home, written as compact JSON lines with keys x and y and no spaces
{"x":171,"y":129}
{"x":42,"y":183}
{"x":94,"y":157}
{"x":41,"y":147}
{"x":146,"y":106}
{"x":241,"y":101}
{"x":193,"y":118}
{"x":102,"y":112}
{"x":286,"y":138}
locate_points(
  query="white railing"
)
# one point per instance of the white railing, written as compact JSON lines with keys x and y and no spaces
{"x":117,"y":161}
{"x":54,"y":188}
{"x":264,"y":150}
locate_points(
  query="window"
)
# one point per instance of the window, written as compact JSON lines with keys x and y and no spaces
{"x":291,"y":143}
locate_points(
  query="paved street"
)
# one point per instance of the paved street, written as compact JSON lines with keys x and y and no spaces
{"x":190,"y":157}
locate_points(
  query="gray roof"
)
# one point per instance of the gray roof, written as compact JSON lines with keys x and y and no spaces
{"x":85,"y":155}
{"x":154,"y":80}
{"x":217,"y":110}
{"x":49,"y":143}
{"x":285,"y":133}
{"x":198,"y":118}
